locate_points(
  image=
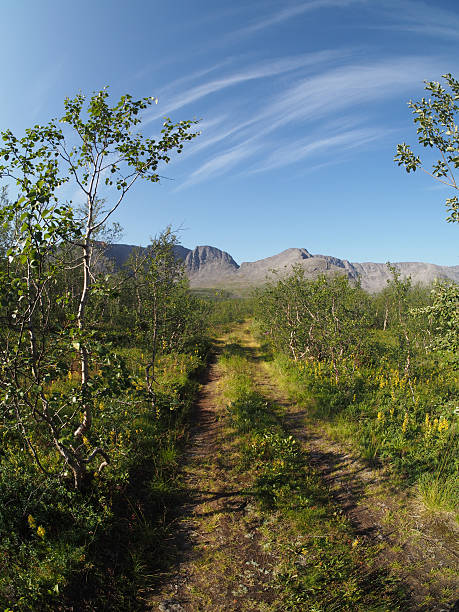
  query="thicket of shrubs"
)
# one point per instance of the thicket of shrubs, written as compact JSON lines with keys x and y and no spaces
{"x":382,"y":369}
{"x":95,"y":546}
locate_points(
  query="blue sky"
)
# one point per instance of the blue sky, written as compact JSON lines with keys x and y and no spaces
{"x":301,"y":105}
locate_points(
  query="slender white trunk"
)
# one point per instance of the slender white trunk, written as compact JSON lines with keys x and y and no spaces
{"x":86,"y":421}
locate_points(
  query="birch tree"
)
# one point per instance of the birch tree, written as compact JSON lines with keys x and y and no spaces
{"x":98,"y":150}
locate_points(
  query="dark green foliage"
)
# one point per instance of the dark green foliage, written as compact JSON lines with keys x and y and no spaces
{"x":444,"y":316}
{"x":95,"y":543}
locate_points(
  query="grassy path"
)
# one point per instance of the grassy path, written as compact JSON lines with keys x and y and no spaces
{"x":220,"y":564}
{"x":274,"y":516}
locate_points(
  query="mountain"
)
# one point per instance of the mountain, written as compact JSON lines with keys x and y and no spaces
{"x":313,"y":265}
{"x":119,"y":253}
{"x":374,"y":276}
{"x":206,"y":262}
{"x":207,"y":266}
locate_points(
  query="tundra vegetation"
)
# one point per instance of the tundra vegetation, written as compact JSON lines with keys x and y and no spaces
{"x":99,"y":369}
{"x":91,"y":408}
{"x":380,"y":370}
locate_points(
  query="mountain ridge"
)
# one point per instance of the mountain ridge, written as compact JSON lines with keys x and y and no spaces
{"x":207,"y":267}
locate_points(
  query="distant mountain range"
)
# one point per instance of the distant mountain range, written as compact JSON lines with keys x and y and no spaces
{"x":207,"y":267}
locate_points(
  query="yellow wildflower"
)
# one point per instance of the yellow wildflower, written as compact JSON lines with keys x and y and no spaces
{"x":41,"y":531}
{"x":405,"y":422}
{"x":31,"y":521}
{"x":380,"y":416}
{"x":427,"y":426}
{"x":443,"y":425}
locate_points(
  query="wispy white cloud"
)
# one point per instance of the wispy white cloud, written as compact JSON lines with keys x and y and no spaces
{"x":343,"y":88}
{"x":208,"y":140}
{"x":420,"y":17}
{"x":293,"y":11}
{"x":417,"y":15}
{"x":333,"y":98}
{"x":294,"y":152}
{"x":222,"y":163}
{"x":194,"y":76}
{"x":329,"y":94}
{"x":261,"y":70}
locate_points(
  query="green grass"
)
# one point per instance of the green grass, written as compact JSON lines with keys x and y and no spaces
{"x":98,"y":549}
{"x":407,"y":424}
{"x":439,"y":493}
{"x":321,"y":564}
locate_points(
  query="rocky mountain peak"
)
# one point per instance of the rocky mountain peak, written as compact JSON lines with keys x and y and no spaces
{"x":209,"y":259}
{"x":207,"y":266}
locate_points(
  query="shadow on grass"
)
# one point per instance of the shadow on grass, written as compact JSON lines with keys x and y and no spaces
{"x":126,"y":557}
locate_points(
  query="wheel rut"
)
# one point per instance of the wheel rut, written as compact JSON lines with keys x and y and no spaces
{"x":219,"y":563}
{"x":421,"y":548}
{"x":217,"y":539}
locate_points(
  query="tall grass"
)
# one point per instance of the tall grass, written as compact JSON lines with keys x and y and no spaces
{"x":409,"y":423}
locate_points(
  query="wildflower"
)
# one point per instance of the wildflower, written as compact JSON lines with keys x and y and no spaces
{"x":31,"y":521}
{"x":41,"y":531}
{"x":355,"y":542}
{"x":405,"y":423}
{"x":443,"y":425}
{"x":380,"y":416}
{"x":427,"y":426}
